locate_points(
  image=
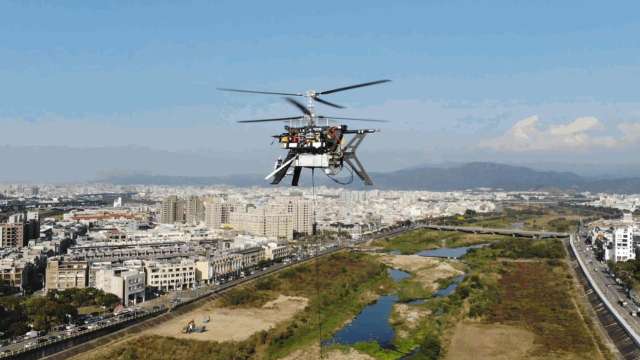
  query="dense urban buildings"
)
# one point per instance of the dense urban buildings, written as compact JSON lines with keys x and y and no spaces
{"x":136,"y":238}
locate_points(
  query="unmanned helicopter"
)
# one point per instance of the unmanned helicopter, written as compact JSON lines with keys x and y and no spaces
{"x":315,"y":141}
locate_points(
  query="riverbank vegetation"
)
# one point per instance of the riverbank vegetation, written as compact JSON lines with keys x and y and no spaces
{"x":522,"y":283}
{"x":424,"y":239}
{"x":560,"y":217}
{"x":531,"y":287}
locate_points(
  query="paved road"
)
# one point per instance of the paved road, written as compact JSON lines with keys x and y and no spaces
{"x":607,"y":284}
{"x":484,"y":230}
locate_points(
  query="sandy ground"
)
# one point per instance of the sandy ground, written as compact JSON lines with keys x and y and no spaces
{"x":427,"y":270}
{"x":489,"y":342}
{"x":312,"y":353}
{"x":410,"y":315}
{"x":224,"y":325}
{"x":232,"y":324}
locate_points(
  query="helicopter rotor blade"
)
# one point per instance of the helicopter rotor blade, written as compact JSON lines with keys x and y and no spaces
{"x":353,"y":87}
{"x":299,"y":106}
{"x":352,"y":119}
{"x":273,"y":119}
{"x":327,"y":103}
{"x":260,"y":92}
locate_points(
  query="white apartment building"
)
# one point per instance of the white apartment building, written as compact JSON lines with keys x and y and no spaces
{"x":125,"y":283}
{"x":273,"y":251}
{"x":623,"y":244}
{"x":271,"y":222}
{"x":171,"y":275}
{"x":617,"y":236}
{"x":207,"y":270}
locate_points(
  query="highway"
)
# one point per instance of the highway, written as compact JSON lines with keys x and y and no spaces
{"x":607,"y":284}
{"x":497,"y":231}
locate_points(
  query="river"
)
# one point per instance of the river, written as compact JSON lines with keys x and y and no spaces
{"x":372,"y":323}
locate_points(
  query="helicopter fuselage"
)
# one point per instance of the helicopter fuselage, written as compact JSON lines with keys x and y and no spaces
{"x":315,"y":146}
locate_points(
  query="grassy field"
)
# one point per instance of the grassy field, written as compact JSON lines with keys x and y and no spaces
{"x":561,"y":218}
{"x":347,"y":282}
{"x":424,"y":239}
{"x":539,"y":296}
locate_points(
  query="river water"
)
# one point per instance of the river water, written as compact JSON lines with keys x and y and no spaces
{"x":372,"y":323}
{"x":455,"y":253}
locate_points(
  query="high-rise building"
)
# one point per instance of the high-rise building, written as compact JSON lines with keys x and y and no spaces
{"x":228,"y":208}
{"x":194,"y":210}
{"x":168,"y":210}
{"x":12,"y":235}
{"x":218,"y":211}
{"x":302,"y":212}
{"x":213,"y":210}
{"x":181,"y":211}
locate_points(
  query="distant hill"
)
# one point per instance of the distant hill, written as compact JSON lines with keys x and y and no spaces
{"x":456,"y":177}
{"x":146,"y":179}
{"x":475,"y":175}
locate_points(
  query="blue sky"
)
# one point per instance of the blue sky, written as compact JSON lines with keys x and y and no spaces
{"x":468,"y":76}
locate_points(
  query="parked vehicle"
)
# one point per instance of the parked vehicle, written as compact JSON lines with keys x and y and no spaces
{"x":31,"y":334}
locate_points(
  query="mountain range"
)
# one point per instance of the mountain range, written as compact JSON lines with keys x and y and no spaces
{"x":435,"y":178}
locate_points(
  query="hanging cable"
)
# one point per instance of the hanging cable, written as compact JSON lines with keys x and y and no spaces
{"x":317,"y":263}
{"x":338,"y":181}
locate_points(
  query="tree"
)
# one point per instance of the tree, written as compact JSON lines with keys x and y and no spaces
{"x":13,"y":321}
{"x":44,"y":312}
{"x":31,"y":281}
{"x":430,"y":348}
{"x":107,"y":300}
{"x":65,"y":244}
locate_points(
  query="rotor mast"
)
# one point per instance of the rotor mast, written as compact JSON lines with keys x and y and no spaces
{"x":310,"y":95}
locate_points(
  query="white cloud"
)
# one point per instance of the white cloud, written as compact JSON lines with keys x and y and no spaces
{"x":578,"y":125}
{"x":583,"y":133}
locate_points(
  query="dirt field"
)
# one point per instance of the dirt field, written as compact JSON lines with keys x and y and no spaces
{"x":411,"y":315}
{"x":232,"y":324}
{"x":427,"y":270}
{"x":489,"y":342}
{"x":224,"y":325}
